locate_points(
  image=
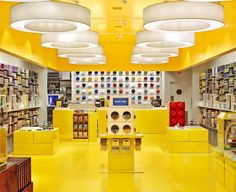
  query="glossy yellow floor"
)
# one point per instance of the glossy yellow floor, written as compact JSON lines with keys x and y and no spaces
{"x":77,"y":168}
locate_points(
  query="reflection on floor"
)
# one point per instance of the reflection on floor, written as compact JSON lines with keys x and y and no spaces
{"x":77,"y":168}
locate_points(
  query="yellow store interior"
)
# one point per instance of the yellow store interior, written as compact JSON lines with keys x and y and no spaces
{"x":189,"y":156}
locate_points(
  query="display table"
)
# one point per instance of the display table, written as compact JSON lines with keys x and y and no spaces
{"x":152,"y":120}
{"x":187,"y":140}
{"x":63,"y":120}
{"x":121,"y":151}
{"x":29,"y":141}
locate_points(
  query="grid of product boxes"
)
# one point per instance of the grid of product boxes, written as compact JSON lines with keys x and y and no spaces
{"x":19,"y":97}
{"x":142,"y":86}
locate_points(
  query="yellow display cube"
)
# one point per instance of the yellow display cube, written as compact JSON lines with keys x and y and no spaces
{"x":44,"y":142}
{"x":198,"y":134}
{"x":102,"y":120}
{"x":178,"y":135}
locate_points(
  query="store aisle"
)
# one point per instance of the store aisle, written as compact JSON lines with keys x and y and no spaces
{"x":78,"y":166}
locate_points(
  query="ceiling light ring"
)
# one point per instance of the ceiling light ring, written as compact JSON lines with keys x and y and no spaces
{"x":168,"y":52}
{"x":52,"y":17}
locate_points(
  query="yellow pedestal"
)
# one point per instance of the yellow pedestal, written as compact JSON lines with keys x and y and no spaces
{"x":121,"y":152}
{"x":63,"y":120}
{"x":36,"y":142}
{"x":92,"y":126}
{"x":188,"y":140}
{"x":152,"y":120}
{"x":102,"y":120}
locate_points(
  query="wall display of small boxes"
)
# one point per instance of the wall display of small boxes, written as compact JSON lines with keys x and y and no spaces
{"x":19,"y":97}
{"x":80,"y":125}
{"x":142,"y":86}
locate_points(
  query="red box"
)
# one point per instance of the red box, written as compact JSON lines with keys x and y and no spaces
{"x":177,"y":113}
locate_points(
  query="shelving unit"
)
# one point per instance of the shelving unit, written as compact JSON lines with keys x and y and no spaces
{"x":80,"y":125}
{"x":58,"y":83}
{"x":217,"y":93}
{"x":141,"y":86}
{"x":19,"y":94}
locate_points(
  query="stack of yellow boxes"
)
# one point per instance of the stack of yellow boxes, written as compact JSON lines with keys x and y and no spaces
{"x":29,"y":141}
{"x":187,"y":140}
{"x":3,"y":145}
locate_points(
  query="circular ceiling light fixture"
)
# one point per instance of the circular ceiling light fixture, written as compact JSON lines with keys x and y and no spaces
{"x":81,"y":53}
{"x":155,"y":52}
{"x":23,"y":0}
{"x":141,"y":60}
{"x":78,"y":40}
{"x":87,"y":61}
{"x":183,"y":16}
{"x":206,"y":0}
{"x":49,"y":17}
{"x":164,"y":39}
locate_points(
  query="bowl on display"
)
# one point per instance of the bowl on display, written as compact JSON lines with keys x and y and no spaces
{"x":83,"y":97}
{"x":77,"y":78}
{"x":120,"y":72}
{"x":108,"y":91}
{"x":158,"y":79}
{"x":115,"y":115}
{"x":126,"y":129}
{"x":127,"y":92}
{"x":152,"y":85}
{"x":133,"y":72}
{"x":126,"y":115}
{"x":78,"y":98}
{"x":139,"y":97}
{"x":121,"y":91}
{"x":145,"y":97}
{"x":96,"y":91}
{"x":127,"y":72}
{"x":127,"y":78}
{"x":151,"y":97}
{"x":89,"y":79}
{"x":102,"y":85}
{"x":77,"y":91}
{"x":139,"y":72}
{"x":95,"y":79}
{"x":114,"y":91}
{"x":120,"y":80}
{"x":114,"y":85}
{"x":114,"y":78}
{"x":108,"y":97}
{"x":96,"y":97}
{"x":115,"y":129}
{"x":145,"y":72}
{"x":83,"y":91}
{"x":114,"y":72}
{"x":77,"y":72}
{"x":102,"y":79}
{"x":152,"y":91}
{"x":90,"y":73}
{"x":120,"y":84}
{"x":133,"y":91}
{"x":96,"y":72}
{"x":96,"y":85}
{"x":133,"y":85}
{"x":102,"y":72}
{"x":77,"y":86}
{"x":151,"y":78}
{"x":108,"y":79}
{"x":83,"y":85}
{"x":108,"y":72}
{"x":102,"y":92}
{"x":90,"y":91}
{"x":158,"y":91}
{"x":145,"y":78}
{"x":108,"y":85}
{"x":139,"y":79}
{"x":133,"y":98}
{"x":145,"y":84}
{"x":89,"y":85}
{"x":133,"y":79}
{"x":145,"y":91}
{"x":139,"y":91}
{"x":157,"y":72}
{"x":83,"y":73}
{"x":127,"y":85}
{"x":83,"y":79}
{"x":139,"y":85}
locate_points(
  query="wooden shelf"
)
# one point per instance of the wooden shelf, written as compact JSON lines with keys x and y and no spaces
{"x":215,"y":108}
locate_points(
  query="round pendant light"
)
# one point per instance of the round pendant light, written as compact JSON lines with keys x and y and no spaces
{"x":164,"y":40}
{"x":47,"y":17}
{"x":81,"y":53}
{"x":183,"y":16}
{"x":87,"y":61}
{"x":141,"y":60}
{"x":23,"y":0}
{"x":78,"y":40}
{"x":206,"y":0}
{"x":155,"y":52}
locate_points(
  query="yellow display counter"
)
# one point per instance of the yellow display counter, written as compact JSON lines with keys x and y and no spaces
{"x":152,"y":120}
{"x":230,"y":171}
{"x":3,"y":145}
{"x":29,"y":141}
{"x":121,"y":151}
{"x":63,"y":120}
{"x":220,"y":167}
{"x":187,"y":140}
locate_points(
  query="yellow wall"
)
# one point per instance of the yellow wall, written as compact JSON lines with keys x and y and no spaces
{"x":208,"y":45}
